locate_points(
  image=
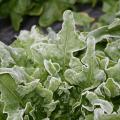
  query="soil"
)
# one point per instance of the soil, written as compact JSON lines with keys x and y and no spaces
{"x":7,"y":33}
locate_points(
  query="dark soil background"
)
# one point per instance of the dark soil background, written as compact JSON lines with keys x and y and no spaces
{"x":7,"y":33}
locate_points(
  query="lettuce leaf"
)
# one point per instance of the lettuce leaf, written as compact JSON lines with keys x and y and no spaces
{"x":61,"y":76}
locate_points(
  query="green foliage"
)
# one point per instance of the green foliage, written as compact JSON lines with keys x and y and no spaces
{"x":63,"y":76}
{"x":52,"y":10}
{"x":48,"y":10}
{"x":110,"y":7}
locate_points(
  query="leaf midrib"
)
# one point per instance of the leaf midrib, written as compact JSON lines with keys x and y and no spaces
{"x":65,"y":47}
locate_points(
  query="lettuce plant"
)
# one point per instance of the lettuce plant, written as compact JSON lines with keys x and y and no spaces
{"x":111,"y":10}
{"x":63,"y":76}
{"x":51,"y":11}
{"x":48,"y":10}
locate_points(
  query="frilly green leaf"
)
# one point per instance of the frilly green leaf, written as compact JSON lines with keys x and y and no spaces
{"x":61,"y":76}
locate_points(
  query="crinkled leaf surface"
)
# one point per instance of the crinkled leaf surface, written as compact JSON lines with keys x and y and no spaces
{"x":12,"y":101}
{"x":90,"y":74}
{"x":113,"y":50}
{"x":113,"y":72}
{"x":61,"y":76}
{"x":67,"y":41}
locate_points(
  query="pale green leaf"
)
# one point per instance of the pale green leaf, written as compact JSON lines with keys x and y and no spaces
{"x":53,"y":83}
{"x":69,"y":39}
{"x":113,"y":50}
{"x":10,"y":97}
{"x":113,"y":87}
{"x":6,"y":59}
{"x":51,"y":68}
{"x":105,"y":105}
{"x":114,"y":72}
